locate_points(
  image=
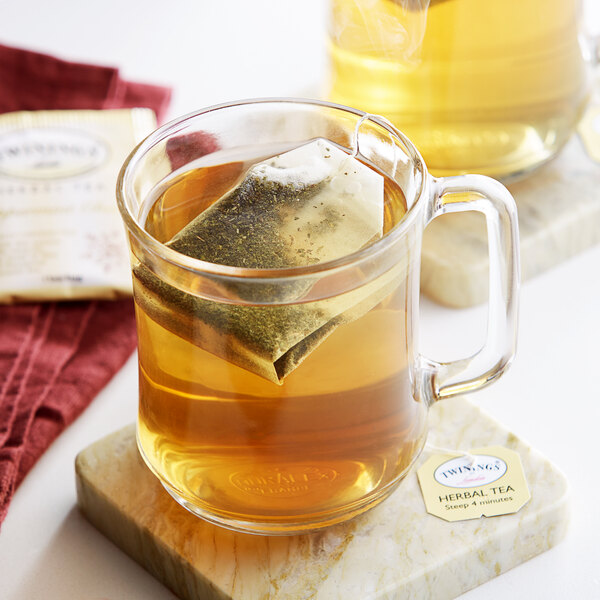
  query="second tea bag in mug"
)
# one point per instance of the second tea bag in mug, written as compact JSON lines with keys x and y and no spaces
{"x":312,"y":204}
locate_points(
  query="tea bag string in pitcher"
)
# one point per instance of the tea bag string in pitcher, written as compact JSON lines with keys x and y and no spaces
{"x":355,"y":143}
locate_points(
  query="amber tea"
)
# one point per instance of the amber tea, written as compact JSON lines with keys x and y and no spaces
{"x":264,"y":414}
{"x":492,"y":86}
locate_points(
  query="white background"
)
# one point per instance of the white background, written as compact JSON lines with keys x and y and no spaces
{"x":220,"y":50}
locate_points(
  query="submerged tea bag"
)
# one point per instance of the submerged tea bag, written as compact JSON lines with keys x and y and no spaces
{"x":312,"y":204}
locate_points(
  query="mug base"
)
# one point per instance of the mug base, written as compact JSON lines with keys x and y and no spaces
{"x":286,"y":526}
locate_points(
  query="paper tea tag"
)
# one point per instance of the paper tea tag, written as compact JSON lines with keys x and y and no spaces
{"x":589,"y":130}
{"x":488,"y":482}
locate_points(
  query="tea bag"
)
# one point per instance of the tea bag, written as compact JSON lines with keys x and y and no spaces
{"x":312,"y":204}
{"x":309,"y":205}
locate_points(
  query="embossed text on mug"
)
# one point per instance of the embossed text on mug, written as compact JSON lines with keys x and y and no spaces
{"x":284,"y":483}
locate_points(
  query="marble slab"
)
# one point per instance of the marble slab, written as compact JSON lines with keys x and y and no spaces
{"x":396,"y":551}
{"x":559,"y":217}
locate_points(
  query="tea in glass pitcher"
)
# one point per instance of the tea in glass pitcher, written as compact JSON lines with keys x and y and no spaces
{"x":492,"y":86}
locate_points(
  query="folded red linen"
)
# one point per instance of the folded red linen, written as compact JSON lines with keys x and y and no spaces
{"x":55,"y":357}
{"x":35,"y":81}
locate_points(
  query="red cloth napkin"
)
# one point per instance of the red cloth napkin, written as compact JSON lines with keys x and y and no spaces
{"x":34,"y":81}
{"x":55,"y":357}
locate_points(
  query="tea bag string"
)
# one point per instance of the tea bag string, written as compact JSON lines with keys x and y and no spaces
{"x":442,"y":450}
{"x":355,"y":148}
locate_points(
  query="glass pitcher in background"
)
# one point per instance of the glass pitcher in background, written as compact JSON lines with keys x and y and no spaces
{"x":492,"y":86}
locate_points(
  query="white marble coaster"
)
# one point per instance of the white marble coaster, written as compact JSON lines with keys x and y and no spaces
{"x":559,"y":216}
{"x":396,"y":551}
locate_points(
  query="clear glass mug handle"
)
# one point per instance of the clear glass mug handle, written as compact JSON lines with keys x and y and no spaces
{"x":490,"y":197}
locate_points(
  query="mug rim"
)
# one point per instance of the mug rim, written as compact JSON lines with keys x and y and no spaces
{"x":177,"y":259}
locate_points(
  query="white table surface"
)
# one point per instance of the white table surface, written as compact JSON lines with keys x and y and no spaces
{"x":220,"y":50}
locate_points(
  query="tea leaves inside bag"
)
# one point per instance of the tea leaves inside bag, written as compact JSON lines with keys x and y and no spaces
{"x":306,"y":206}
{"x":303,"y":207}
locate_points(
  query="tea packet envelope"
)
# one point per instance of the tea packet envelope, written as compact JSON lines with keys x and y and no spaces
{"x":61,"y":236}
{"x":306,"y":206}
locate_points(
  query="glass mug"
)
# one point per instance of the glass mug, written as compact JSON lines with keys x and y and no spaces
{"x":318,"y":416}
{"x":493,"y":87}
